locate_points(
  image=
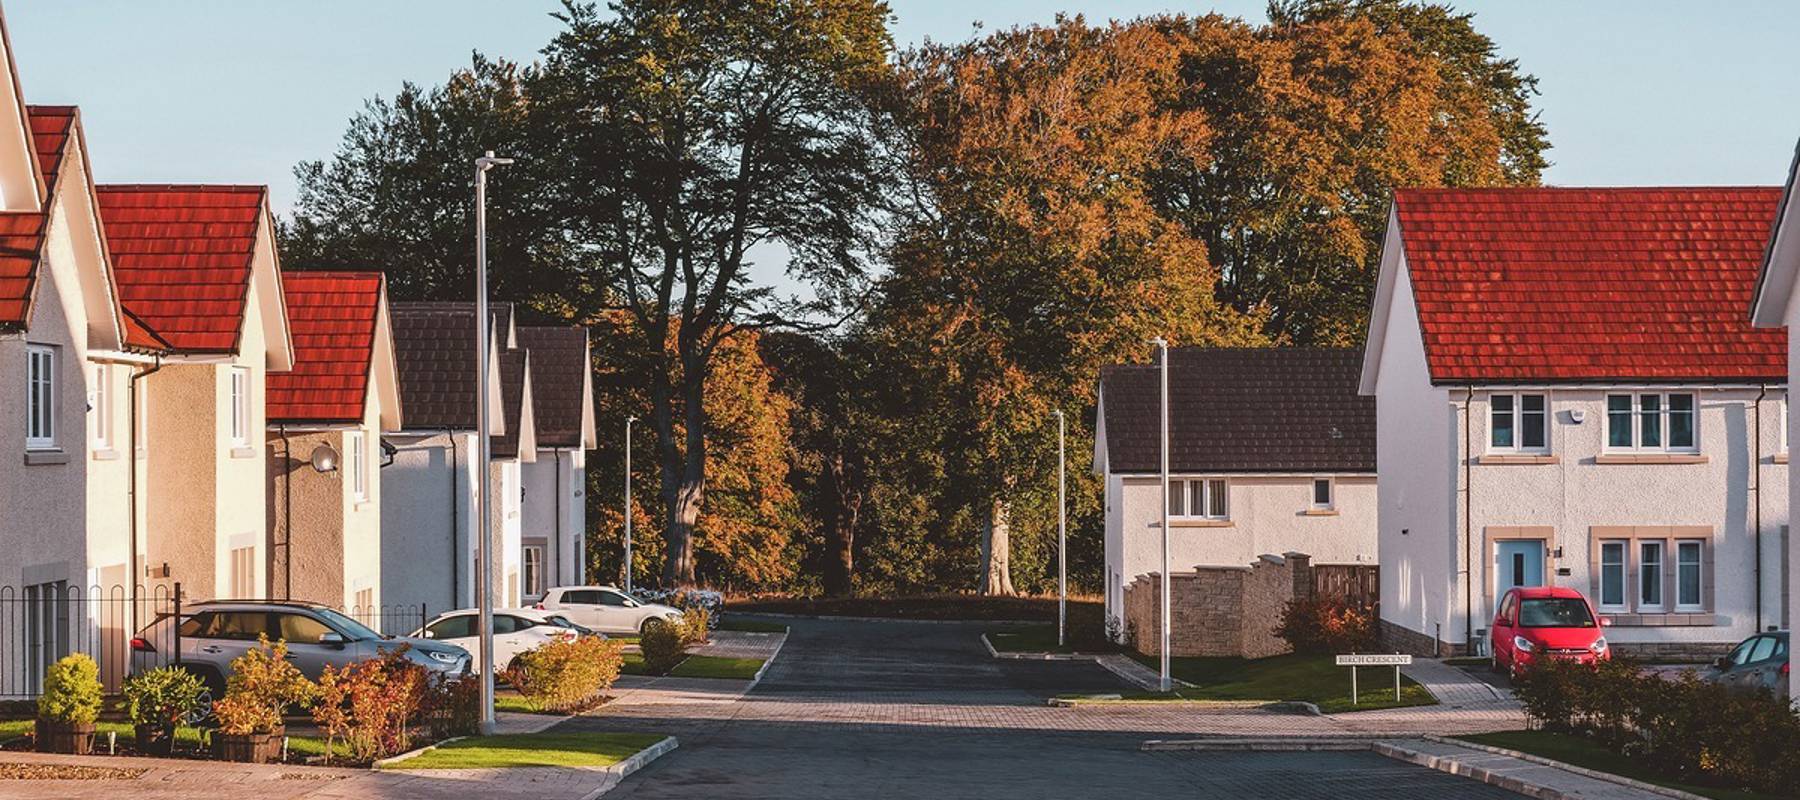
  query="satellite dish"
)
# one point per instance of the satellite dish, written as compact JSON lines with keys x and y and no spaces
{"x":325,"y":459}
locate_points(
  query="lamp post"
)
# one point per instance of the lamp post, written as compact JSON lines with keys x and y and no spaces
{"x":628,"y":421}
{"x":484,"y":451}
{"x":1162,"y":359}
{"x":1062,"y":534}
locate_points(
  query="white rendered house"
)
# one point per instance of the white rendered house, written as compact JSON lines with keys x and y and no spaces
{"x":1775,"y":306}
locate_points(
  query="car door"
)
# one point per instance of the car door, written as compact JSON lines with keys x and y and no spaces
{"x":1752,"y":675}
{"x":618,"y":613}
{"x":456,"y":629}
{"x":581,"y":605}
{"x":1502,"y":634}
{"x":231,"y":634}
{"x":1768,"y":672}
{"x":1737,"y":663}
{"x":302,"y":633}
{"x":511,"y":637}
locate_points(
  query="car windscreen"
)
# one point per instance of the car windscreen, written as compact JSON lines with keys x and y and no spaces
{"x":1555,"y":612}
{"x":352,"y":630}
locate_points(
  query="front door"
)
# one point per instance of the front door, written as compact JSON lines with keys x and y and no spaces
{"x":1521,"y":563}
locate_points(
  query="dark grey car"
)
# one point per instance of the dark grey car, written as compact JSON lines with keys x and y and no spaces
{"x":215,"y":632}
{"x":1759,"y":662}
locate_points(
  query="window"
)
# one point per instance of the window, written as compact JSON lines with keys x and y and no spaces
{"x":1688,"y":574}
{"x":1519,"y":422}
{"x":613,"y":599}
{"x":585,"y":597}
{"x":366,"y":612}
{"x":1763,"y":649}
{"x":1321,"y":494}
{"x":458,"y":627}
{"x":1663,"y":422}
{"x":359,"y":466}
{"x":240,"y":406}
{"x":1650,"y":583}
{"x":101,"y":407}
{"x":1199,"y":498}
{"x":533,"y":558}
{"x":243,"y":572}
{"x":40,"y":397}
{"x":239,"y":625}
{"x":1555,"y":612}
{"x":300,"y":629}
{"x":1612,"y":575}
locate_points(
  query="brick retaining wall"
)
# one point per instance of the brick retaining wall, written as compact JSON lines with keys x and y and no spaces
{"x":1219,"y":611}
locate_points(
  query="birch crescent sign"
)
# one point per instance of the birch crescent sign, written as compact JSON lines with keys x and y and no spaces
{"x":1374,"y":660}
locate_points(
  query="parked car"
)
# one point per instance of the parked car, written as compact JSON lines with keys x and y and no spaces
{"x":564,"y":622}
{"x":607,"y":609}
{"x":1759,"y":662}
{"x":215,"y":632}
{"x":1536,"y":622}
{"x":515,"y":631}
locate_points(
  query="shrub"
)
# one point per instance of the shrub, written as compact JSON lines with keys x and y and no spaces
{"x":695,"y":625}
{"x":370,"y":704}
{"x":452,"y":706}
{"x":713,"y":603}
{"x":565,"y":675}
{"x":261,"y":685}
{"x":1321,"y":624}
{"x":239,"y":715}
{"x":663,"y":647}
{"x":163,"y":696}
{"x":71,"y":691}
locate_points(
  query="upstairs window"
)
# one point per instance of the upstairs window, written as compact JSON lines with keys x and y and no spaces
{"x":40,"y":397}
{"x":101,"y":407}
{"x":1651,"y":422}
{"x":1198,"y":498}
{"x":359,"y":466}
{"x":240,"y":406}
{"x":1518,"y":422}
{"x":1322,"y":499}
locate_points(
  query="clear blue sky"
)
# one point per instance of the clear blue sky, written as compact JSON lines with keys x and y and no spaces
{"x":1641,"y":92}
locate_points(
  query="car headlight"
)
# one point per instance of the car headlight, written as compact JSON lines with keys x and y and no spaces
{"x":444,"y":658}
{"x":1521,"y":643}
{"x":1599,"y":646}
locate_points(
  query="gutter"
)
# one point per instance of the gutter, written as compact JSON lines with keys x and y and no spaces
{"x":131,"y":491}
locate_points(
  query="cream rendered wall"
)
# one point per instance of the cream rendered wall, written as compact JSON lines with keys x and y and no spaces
{"x":427,"y":521}
{"x":361,"y":556}
{"x":1793,"y":424}
{"x":555,"y":509}
{"x":508,"y":527}
{"x":241,"y":501}
{"x":1268,"y":516}
{"x":1115,"y":548}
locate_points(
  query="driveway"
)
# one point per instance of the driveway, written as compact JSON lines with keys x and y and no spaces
{"x":900,"y":709}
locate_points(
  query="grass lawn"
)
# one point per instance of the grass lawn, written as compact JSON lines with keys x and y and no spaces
{"x":742,"y":669}
{"x":751,"y":626}
{"x":184,"y":736}
{"x":1314,"y":679}
{"x":533,"y":750}
{"x":1584,"y":752}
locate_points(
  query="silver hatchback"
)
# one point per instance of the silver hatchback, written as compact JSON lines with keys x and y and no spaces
{"x":1757,"y":663}
{"x":214,"y":633}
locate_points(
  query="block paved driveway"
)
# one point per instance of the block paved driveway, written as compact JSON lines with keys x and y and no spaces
{"x":894,"y":709}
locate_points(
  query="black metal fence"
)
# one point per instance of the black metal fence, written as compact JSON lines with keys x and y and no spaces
{"x":43,"y":622}
{"x":390,"y":620}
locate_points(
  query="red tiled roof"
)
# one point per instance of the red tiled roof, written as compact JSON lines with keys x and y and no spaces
{"x":139,"y":337}
{"x":50,"y":129}
{"x":21,"y":232}
{"x":1565,"y":284}
{"x":181,"y":256}
{"x":332,"y":316}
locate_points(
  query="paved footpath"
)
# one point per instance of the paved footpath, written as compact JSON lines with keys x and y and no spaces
{"x":897,"y":709}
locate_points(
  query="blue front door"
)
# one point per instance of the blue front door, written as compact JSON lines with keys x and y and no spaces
{"x":1521,"y":563}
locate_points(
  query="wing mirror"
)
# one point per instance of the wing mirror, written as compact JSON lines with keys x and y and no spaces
{"x":1606,"y":622}
{"x":1722,"y":662}
{"x":331,"y":639}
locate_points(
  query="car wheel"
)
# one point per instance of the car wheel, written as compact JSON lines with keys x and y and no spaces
{"x":651,"y":623}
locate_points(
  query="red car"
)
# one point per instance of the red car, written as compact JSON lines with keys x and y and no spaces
{"x":1546,"y":621}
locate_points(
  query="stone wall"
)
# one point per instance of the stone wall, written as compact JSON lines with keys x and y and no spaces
{"x":1218,"y":611}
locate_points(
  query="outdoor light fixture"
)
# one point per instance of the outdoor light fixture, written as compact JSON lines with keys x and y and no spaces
{"x":324,"y":459}
{"x":484,"y":548}
{"x":1162,"y":360}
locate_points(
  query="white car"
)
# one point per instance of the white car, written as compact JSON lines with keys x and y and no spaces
{"x":515,"y":631}
{"x":606,"y":609}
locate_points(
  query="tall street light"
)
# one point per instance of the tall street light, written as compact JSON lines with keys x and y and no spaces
{"x":1162,"y":360}
{"x":628,"y":421}
{"x":1062,"y":534}
{"x":484,"y":451}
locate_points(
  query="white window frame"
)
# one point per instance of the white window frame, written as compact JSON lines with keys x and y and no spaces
{"x":240,"y":406}
{"x":1699,"y":566}
{"x":40,"y":397}
{"x":1330,"y":503}
{"x":1181,"y":497}
{"x":531,"y":568}
{"x":102,"y":407}
{"x":357,"y":444}
{"x":1517,"y":418}
{"x":1662,"y":555}
{"x":1636,"y":423}
{"x":1623,"y":567}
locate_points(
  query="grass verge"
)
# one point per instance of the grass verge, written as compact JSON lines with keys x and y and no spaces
{"x":533,"y":750}
{"x":752,"y":626}
{"x":742,"y":669}
{"x":1584,"y":752}
{"x":1310,"y":678}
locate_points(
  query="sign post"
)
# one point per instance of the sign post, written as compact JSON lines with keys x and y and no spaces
{"x":1354,"y":660}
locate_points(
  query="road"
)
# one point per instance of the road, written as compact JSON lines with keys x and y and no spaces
{"x":894,"y":709}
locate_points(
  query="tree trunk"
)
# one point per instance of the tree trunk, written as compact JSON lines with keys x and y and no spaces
{"x":840,"y":530}
{"x":684,"y":481}
{"x":996,"y":551}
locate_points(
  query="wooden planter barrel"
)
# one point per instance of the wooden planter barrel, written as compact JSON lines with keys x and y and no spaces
{"x":65,"y":737}
{"x":252,"y":748}
{"x":155,"y":739}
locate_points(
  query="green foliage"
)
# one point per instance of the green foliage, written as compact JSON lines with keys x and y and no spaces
{"x":262,"y":684}
{"x":162,"y":696}
{"x":71,"y":691}
{"x":564,"y":676}
{"x":663,"y":647}
{"x":695,"y":626}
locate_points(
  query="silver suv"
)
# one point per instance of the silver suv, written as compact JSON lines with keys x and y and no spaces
{"x":215,"y":632}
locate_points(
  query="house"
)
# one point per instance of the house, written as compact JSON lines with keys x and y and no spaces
{"x":1271,"y":451}
{"x":197,"y":265}
{"x":1773,"y":306}
{"x":553,"y":544}
{"x":1569,"y":393}
{"x":511,"y":452}
{"x":326,"y":417}
{"x":429,"y":490}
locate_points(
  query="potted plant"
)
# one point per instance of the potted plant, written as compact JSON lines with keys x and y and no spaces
{"x":69,"y":705}
{"x":262,"y":684}
{"x":157,"y":701}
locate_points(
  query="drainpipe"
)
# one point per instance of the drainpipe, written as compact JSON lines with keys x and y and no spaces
{"x":131,"y":481}
{"x":1756,"y":492}
{"x":455,"y":529}
{"x":1468,"y":525}
{"x":559,"y":521}
{"x":287,"y":514}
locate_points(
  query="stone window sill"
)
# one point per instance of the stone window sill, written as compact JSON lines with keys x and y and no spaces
{"x":1502,"y":459}
{"x":243,"y":452}
{"x":1675,"y":619}
{"x":106,"y":454}
{"x":34,"y":458}
{"x":1651,"y":458}
{"x":1196,"y":523}
{"x":1319,"y":512}
{"x":1780,"y":458}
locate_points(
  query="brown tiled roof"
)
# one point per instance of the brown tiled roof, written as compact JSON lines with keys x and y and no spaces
{"x":434,"y":345}
{"x":1242,"y":410}
{"x":513,"y":380}
{"x":559,"y":374}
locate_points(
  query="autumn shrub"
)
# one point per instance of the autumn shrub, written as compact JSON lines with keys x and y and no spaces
{"x":694,"y":626}
{"x":1322,"y":624}
{"x":567,"y":675}
{"x":371,"y":704}
{"x":263,"y":683}
{"x":663,"y":647}
{"x":451,"y":706}
{"x":71,"y":691}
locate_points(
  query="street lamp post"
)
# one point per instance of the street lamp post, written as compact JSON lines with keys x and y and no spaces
{"x":628,"y":421}
{"x":484,"y":452}
{"x":1162,"y":353}
{"x":1062,"y":535}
